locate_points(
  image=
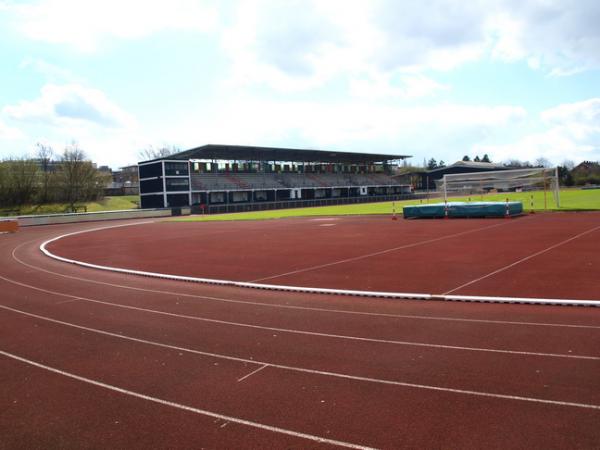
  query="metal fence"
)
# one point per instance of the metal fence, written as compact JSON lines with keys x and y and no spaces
{"x":50,"y":219}
{"x":261,"y":206}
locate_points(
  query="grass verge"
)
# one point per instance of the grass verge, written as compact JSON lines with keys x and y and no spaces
{"x":570,"y":199}
{"x":106,"y":204}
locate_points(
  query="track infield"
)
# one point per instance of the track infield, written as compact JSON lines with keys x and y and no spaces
{"x":551,"y":256}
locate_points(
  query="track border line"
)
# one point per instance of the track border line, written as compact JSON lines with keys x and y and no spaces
{"x":308,"y":290}
{"x":306,"y":370}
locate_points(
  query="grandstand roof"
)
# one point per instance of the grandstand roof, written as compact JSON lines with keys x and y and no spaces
{"x":250,"y":153}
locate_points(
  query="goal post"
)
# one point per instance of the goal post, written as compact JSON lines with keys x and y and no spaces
{"x":512,"y":180}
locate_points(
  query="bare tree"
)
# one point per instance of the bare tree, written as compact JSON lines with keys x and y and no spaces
{"x":568,"y":164}
{"x":44,"y":155}
{"x":517,"y":163}
{"x":18,"y":182}
{"x":543,"y":162}
{"x":78,"y":179}
{"x":162,"y":151}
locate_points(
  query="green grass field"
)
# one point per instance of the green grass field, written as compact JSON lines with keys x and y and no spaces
{"x":571,"y":200}
{"x":107,"y":204}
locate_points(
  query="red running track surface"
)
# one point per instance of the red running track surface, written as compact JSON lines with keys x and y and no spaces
{"x":544,"y":255}
{"x":98,"y":359}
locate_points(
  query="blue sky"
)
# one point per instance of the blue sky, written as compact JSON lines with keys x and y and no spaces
{"x":439,"y":79}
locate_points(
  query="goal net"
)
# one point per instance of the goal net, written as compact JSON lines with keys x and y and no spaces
{"x":518,"y":180}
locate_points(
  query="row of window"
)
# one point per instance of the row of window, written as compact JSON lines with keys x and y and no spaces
{"x":255,"y":167}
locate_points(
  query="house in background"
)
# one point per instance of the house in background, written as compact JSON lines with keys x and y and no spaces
{"x":125,"y":181}
{"x":588,"y":172}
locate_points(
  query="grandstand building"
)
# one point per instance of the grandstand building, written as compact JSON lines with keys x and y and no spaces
{"x":227,"y":178}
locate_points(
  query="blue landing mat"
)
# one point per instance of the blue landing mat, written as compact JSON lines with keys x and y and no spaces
{"x":464,"y":209}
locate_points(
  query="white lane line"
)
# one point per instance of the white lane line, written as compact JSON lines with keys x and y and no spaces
{"x":253,"y":372}
{"x":311,"y":371}
{"x":294,"y":307}
{"x":310,"y":437}
{"x":381,"y":252}
{"x":303,"y":332}
{"x":67,"y":301}
{"x":527,"y":258}
{"x":328,"y":225}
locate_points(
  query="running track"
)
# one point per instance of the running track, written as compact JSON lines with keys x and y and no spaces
{"x":105,"y":360}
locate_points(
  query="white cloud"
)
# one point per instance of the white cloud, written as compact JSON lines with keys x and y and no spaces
{"x":559,"y":37}
{"x":70,"y":105}
{"x":299,"y":44}
{"x":302,"y":45}
{"x":83,"y":25}
{"x":50,"y":71}
{"x":572,"y":132}
{"x":9,"y":133}
{"x":71,"y":112}
{"x":586,"y":112}
{"x":285,"y":45}
{"x":350,"y":125}
{"x":381,"y":86}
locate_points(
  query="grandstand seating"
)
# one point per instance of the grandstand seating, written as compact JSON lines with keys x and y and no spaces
{"x":242,"y":181}
{"x":260,"y":180}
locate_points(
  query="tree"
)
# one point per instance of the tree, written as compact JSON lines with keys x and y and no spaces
{"x":568,"y":164}
{"x":517,"y":163}
{"x":564,"y":176}
{"x":466,"y":158}
{"x":477,"y":159}
{"x":486,"y":158}
{"x":152,"y":152}
{"x":542,"y":162}
{"x":77,"y":177}
{"x":588,"y":172}
{"x":18,"y":182}
{"x":442,"y":163}
{"x":44,"y":155}
{"x":432,"y":164}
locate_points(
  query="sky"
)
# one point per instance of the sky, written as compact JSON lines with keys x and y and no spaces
{"x":439,"y":79}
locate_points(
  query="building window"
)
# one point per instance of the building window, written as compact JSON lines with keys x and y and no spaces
{"x":177,"y":184}
{"x":176,"y":168}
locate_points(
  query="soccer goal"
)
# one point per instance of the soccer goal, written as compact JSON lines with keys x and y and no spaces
{"x":518,"y":180}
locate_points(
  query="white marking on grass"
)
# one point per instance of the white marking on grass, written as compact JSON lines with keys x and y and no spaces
{"x":304,"y":332}
{"x":527,"y":258}
{"x":319,"y":372}
{"x":204,"y":412}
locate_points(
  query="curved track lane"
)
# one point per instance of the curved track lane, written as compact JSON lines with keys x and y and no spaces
{"x":99,"y":359}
